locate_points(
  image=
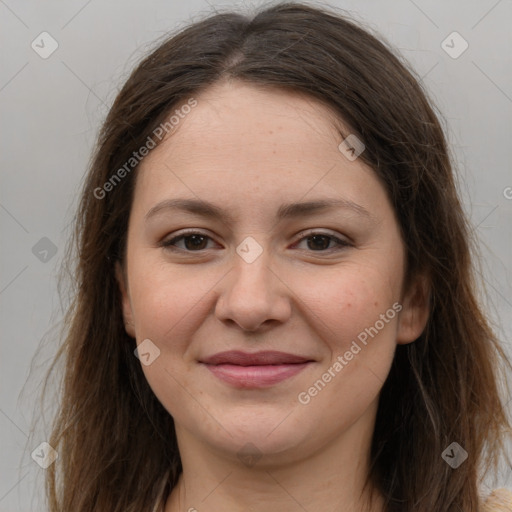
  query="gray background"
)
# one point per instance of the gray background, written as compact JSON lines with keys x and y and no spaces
{"x":52,"y":108}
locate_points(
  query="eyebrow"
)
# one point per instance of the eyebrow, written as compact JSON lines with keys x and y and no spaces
{"x":285,"y":211}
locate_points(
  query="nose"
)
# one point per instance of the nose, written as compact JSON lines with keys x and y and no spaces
{"x":253,"y":295}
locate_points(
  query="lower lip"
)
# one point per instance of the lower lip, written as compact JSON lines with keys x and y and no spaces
{"x":255,"y":376}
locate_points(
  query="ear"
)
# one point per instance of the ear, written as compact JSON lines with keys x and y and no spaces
{"x":415,"y":311}
{"x":125,"y":300}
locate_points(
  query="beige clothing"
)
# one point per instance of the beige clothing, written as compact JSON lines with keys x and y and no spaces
{"x":500,"y":500}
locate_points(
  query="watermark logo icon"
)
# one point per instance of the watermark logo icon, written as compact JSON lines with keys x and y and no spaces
{"x":454,"y":45}
{"x":147,"y":352}
{"x":44,"y":455}
{"x":249,"y":454}
{"x":351,"y":147}
{"x":249,"y":250}
{"x":454,"y":455}
{"x":44,"y":250}
{"x":44,"y":45}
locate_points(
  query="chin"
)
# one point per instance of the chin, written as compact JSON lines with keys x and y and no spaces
{"x":259,"y":433}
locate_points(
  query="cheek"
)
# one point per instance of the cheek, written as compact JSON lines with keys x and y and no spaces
{"x":356,"y":317}
{"x":164,"y":298}
{"x":347,"y":300}
{"x":168,"y":304}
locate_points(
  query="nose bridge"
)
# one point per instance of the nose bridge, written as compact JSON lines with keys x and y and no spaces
{"x":252,"y":294}
{"x":251,"y":276}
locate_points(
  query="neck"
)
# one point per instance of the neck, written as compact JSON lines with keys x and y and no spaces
{"x":332,"y":478}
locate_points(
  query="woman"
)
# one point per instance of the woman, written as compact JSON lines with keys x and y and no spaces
{"x":275,"y":304}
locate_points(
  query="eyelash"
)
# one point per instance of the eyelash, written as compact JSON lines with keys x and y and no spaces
{"x":169,"y":244}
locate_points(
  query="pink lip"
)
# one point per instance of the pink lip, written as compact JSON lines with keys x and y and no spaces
{"x":260,"y":369}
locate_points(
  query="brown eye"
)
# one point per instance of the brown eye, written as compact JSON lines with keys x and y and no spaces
{"x":322,"y":242}
{"x":192,"y":242}
{"x":319,"y":242}
{"x":196,"y":242}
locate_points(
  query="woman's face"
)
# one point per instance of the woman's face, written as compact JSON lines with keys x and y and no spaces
{"x":263,"y":267}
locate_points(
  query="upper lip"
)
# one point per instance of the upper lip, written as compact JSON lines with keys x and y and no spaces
{"x":241,"y":358}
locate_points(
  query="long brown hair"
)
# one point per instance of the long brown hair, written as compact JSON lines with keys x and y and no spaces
{"x":114,"y":438}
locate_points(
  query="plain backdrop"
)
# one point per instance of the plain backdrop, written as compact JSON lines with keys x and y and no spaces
{"x":51,"y":109}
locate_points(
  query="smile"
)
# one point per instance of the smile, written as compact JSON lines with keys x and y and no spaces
{"x":255,"y":376}
{"x":257,"y":370}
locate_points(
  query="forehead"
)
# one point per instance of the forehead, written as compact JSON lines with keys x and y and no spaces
{"x":269,"y":108}
{"x":251,"y":140}
{"x":251,"y":121}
